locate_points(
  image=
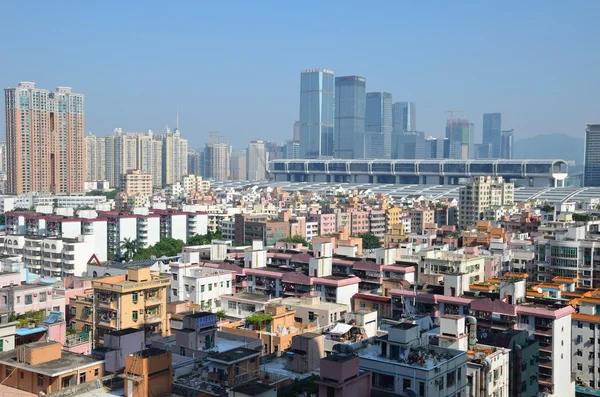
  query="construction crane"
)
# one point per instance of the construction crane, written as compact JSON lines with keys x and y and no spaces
{"x":212,"y":134}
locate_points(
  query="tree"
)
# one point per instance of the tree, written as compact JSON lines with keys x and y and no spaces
{"x":370,"y":241}
{"x":202,"y":239}
{"x":110,"y":195}
{"x":221,"y":315}
{"x":130,"y":247}
{"x":547,"y":208}
{"x":167,"y":246}
{"x":258,"y":319}
{"x":297,"y":239}
{"x":581,"y":217}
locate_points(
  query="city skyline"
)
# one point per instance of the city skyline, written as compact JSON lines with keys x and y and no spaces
{"x":524,"y":86}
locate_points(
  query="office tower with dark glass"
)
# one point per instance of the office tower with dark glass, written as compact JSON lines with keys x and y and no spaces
{"x":437,"y":148}
{"x":378,"y":125}
{"x":507,"y":149}
{"x":404,"y":116}
{"x":460,"y":134}
{"x":350,"y":108}
{"x":591,"y":166}
{"x":316,"y":113}
{"x":492,"y":132}
{"x":408,"y":145}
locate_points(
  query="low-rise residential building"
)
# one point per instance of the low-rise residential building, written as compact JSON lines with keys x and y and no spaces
{"x":234,"y":367}
{"x":148,"y":373}
{"x":21,"y":299}
{"x":311,"y":310}
{"x":341,"y":376}
{"x":45,"y":367}
{"x":436,"y":264}
{"x":136,"y":300}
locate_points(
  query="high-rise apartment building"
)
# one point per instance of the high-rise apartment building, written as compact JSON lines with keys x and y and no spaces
{"x":256,"y":161}
{"x":149,"y":157}
{"x":174,"y":157}
{"x":120,"y":155}
{"x":492,"y":132}
{"x":291,"y":150}
{"x":483,"y":192}
{"x":3,"y":155}
{"x":238,"y":165}
{"x":378,"y":125}
{"x":460,"y":133}
{"x":297,"y":129}
{"x":404,"y":116}
{"x":591,"y":168}
{"x":316,"y":113}
{"x":194,"y":162}
{"x":507,"y":148}
{"x":216,"y":160}
{"x":44,"y":137}
{"x":350,"y":108}
{"x":408,"y":145}
{"x":94,"y":158}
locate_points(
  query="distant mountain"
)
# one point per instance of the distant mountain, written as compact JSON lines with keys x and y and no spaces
{"x":550,"y":146}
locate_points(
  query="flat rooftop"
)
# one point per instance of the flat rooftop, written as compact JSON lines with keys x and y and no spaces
{"x":340,"y":358}
{"x":249,"y":297}
{"x":151,"y":352}
{"x":69,"y":362}
{"x":233,"y":356}
{"x":253,"y":388}
{"x":125,"y":331}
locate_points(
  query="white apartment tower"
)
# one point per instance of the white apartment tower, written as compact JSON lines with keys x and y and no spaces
{"x":95,"y":158}
{"x":174,"y":157}
{"x":256,"y":161}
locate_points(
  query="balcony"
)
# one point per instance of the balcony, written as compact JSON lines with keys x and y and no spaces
{"x":542,"y":331}
{"x":107,"y":303}
{"x":152,"y":318}
{"x":153,"y":300}
{"x":545,"y":362}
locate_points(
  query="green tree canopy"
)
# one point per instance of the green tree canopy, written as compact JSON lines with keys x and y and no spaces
{"x":167,"y":246}
{"x":110,"y":195}
{"x":370,"y":241}
{"x":130,"y":247}
{"x":581,"y":217}
{"x":297,"y":239}
{"x":201,"y":239}
{"x":547,"y":208}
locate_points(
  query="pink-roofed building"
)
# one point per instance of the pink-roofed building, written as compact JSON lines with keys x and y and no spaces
{"x":338,"y":289}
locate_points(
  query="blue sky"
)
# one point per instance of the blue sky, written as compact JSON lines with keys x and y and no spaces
{"x":235,"y":66}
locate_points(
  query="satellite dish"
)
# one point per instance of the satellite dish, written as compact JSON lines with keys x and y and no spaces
{"x":539,"y":290}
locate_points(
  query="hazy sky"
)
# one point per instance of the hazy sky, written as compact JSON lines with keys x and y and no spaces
{"x":235,"y":66}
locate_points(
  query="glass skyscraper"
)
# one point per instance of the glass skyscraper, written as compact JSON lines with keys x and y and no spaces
{"x":492,"y":133}
{"x":507,"y":150}
{"x":591,"y":165}
{"x":316,"y":113}
{"x":460,"y":134}
{"x":404,"y":116}
{"x":350,"y":108}
{"x":378,"y":125}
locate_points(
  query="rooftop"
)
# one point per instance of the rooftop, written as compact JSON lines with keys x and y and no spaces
{"x":421,"y":358}
{"x":234,"y":356}
{"x":249,"y":297}
{"x":125,"y":331}
{"x":151,"y":352}
{"x":253,"y":388}
{"x":68,"y":362}
{"x":340,"y":358}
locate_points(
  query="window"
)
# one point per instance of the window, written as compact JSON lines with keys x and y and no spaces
{"x":210,"y":287}
{"x":40,"y":380}
{"x":579,"y":324}
{"x":82,"y":377}
{"x":228,"y":284}
{"x":187,"y":288}
{"x":579,"y":353}
{"x":18,"y":299}
{"x":590,"y":369}
{"x":311,"y":316}
{"x":202,"y":288}
{"x":22,"y":375}
{"x":459,"y":375}
{"x":96,"y":371}
{"x":451,"y":378}
{"x":8,"y":372}
{"x":174,"y":291}
{"x":362,"y":304}
{"x":421,"y":389}
{"x":524,"y":320}
{"x":43,"y":296}
{"x":221,"y":284}
{"x":406,"y":384}
{"x":592,"y":326}
{"x":232,"y":305}
{"x":182,"y":351}
{"x":375,"y":306}
{"x":580,"y":367}
{"x":56,"y":309}
{"x":299,"y":320}
{"x":74,"y":311}
{"x":28,"y":299}
{"x":175,"y":276}
{"x":134,"y":297}
{"x":441,"y":383}
{"x":134,"y":315}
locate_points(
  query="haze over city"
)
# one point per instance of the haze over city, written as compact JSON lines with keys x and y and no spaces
{"x":236,"y":68}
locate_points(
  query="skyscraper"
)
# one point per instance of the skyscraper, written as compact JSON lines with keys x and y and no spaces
{"x":238,"y":165}
{"x":492,"y":132}
{"x":350,"y":108}
{"x":437,"y":148}
{"x":256,"y":161}
{"x":44,"y":137}
{"x":94,"y":158}
{"x":507,"y":147}
{"x":174,"y":157}
{"x":459,"y":132}
{"x":296,"y":136}
{"x":591,"y":161}
{"x":378,"y":125}
{"x":316,"y":113}
{"x":193,"y":162}
{"x":216,"y":157}
{"x":409,"y":145}
{"x":404,"y":116}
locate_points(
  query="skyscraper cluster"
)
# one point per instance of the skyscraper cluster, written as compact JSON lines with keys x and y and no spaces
{"x":164,"y":156}
{"x":340,"y":119}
